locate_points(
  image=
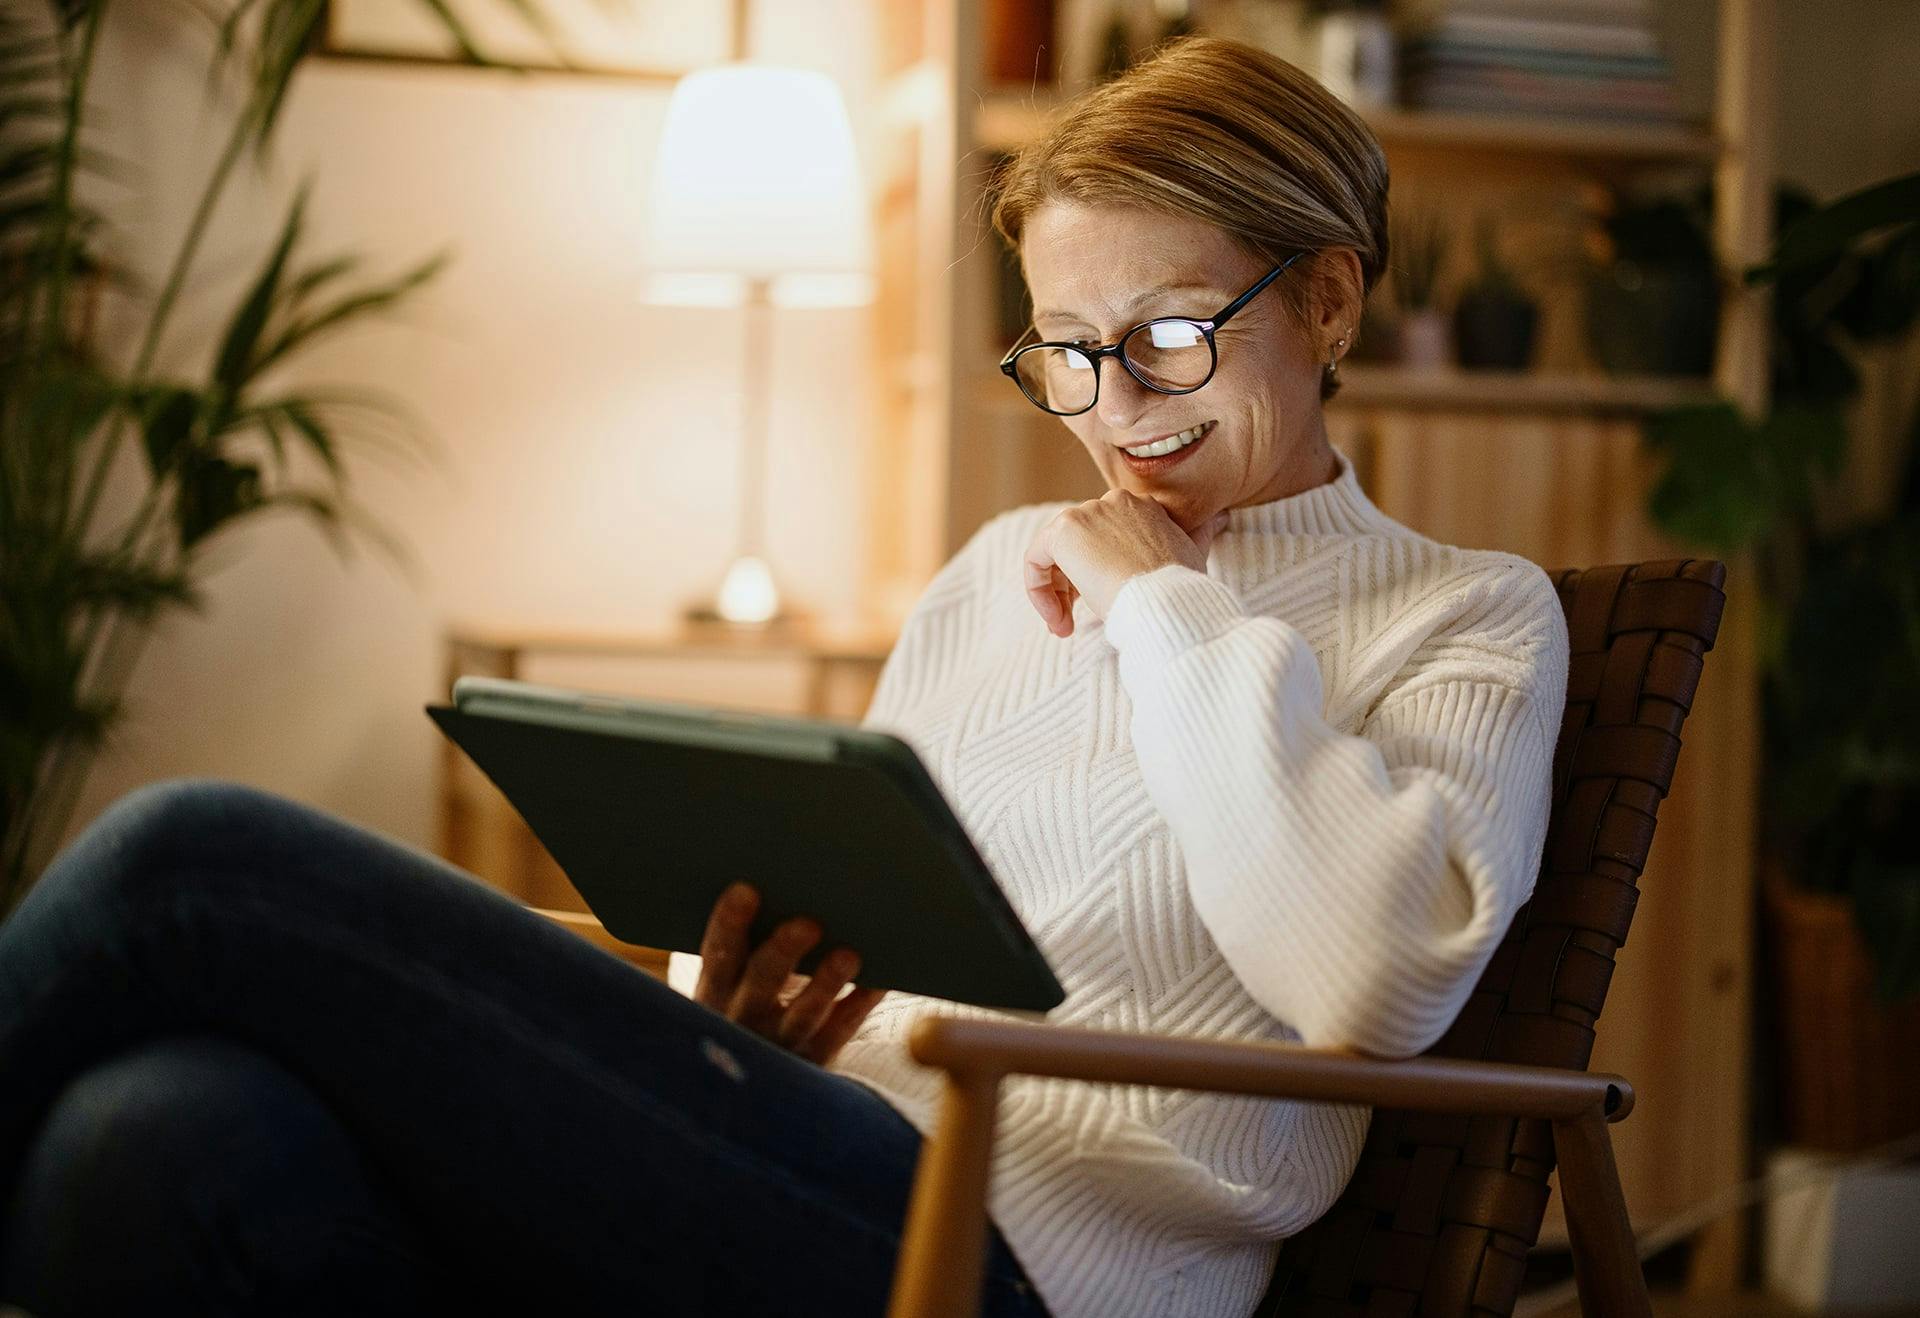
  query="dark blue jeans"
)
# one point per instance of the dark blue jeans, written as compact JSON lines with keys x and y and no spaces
{"x":254,"y":1060}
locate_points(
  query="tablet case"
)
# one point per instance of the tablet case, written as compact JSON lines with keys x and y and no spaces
{"x":854,"y":833}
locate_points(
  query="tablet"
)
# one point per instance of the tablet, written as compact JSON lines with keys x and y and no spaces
{"x":653,"y":808}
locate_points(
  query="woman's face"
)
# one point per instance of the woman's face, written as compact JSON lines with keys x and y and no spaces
{"x":1097,"y":271}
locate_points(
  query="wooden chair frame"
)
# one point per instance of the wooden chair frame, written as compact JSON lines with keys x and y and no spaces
{"x":943,"y":1252}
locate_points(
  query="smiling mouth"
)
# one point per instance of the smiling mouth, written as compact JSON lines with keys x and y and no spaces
{"x":1170,"y":443}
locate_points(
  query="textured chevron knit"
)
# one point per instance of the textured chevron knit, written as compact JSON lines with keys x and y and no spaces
{"x":1296,"y":797}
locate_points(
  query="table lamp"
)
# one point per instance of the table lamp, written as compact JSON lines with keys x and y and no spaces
{"x":756,"y":202}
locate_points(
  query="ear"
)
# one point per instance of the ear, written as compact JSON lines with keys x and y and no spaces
{"x":1339,"y":289}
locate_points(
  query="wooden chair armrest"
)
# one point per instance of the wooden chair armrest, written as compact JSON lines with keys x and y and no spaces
{"x":1431,"y":1084}
{"x":650,"y":959}
{"x":943,"y":1247}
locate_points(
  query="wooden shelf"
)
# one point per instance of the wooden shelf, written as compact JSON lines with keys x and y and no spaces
{"x":1516,"y":391}
{"x":1451,"y":390}
{"x":1004,"y":121}
{"x":1518,"y":135}
{"x":671,"y":638}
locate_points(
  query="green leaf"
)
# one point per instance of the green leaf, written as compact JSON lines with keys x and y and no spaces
{"x":1835,"y":227}
{"x":1884,"y":301}
{"x":325,"y":513}
{"x":315,"y":433}
{"x":1717,"y":490}
{"x":235,"y":363}
{"x":456,"y":29}
{"x":350,"y":306}
{"x":214,"y":491}
{"x":287,"y":33}
{"x":268,"y":423}
{"x":230,"y":27}
{"x":315,"y":277}
{"x":528,"y":12}
{"x":136,"y":589}
{"x":166,"y":426}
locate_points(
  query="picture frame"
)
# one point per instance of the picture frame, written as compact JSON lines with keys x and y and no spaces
{"x":648,"y":40}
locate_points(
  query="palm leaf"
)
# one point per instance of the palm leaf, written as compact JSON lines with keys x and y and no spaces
{"x":314,"y":278}
{"x":235,"y":361}
{"x":214,"y":492}
{"x":167,"y":420}
{"x":318,"y":439}
{"x":469,"y":49}
{"x":287,"y":33}
{"x":301,"y":331}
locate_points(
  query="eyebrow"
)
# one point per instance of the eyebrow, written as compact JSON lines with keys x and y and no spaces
{"x":1054,"y":314}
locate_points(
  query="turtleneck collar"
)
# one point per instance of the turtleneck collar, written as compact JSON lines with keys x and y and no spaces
{"x":1336,"y":508}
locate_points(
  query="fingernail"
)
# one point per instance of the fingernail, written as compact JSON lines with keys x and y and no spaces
{"x":802,"y":932}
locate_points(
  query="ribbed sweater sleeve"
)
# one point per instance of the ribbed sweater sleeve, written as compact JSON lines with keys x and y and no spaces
{"x":1355,"y":884}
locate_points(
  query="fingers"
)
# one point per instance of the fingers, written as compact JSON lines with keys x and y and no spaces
{"x":755,"y":1002}
{"x":1048,"y":589}
{"x":757,"y":986}
{"x":724,"y":946}
{"x":1052,"y":596}
{"x":841,"y":1024}
{"x":809,"y":1009}
{"x":1203,"y":535}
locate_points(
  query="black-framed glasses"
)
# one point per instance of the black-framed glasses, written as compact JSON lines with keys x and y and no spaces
{"x":1170,"y":355}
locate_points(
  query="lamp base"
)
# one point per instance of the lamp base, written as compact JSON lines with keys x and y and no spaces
{"x":748,"y":604}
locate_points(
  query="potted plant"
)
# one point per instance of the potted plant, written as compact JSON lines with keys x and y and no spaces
{"x":83,"y":576}
{"x":1493,"y":321}
{"x":1419,"y":244}
{"x":1839,"y":611}
{"x":1652,"y":294}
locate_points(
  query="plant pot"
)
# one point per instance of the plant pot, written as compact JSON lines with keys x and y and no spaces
{"x":1849,"y":1064}
{"x":1426,"y":340}
{"x":1650,"y":320}
{"x":1493,"y":330}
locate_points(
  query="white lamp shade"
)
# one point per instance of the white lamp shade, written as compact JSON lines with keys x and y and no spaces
{"x":756,"y":179}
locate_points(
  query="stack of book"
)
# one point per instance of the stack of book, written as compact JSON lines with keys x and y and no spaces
{"x":1570,"y":59}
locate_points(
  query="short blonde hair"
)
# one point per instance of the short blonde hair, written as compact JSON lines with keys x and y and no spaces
{"x":1222,"y":132}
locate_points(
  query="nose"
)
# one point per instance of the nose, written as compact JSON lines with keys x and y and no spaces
{"x":1122,"y":398}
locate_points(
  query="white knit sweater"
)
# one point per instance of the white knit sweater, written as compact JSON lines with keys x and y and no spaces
{"x":1295,"y":798}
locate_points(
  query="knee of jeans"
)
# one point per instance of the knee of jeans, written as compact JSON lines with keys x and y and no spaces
{"x":178,"y":808}
{"x":173,"y":1125}
{"x":153,"y":828}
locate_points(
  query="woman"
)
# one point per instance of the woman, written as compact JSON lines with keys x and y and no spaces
{"x":1252,"y":761}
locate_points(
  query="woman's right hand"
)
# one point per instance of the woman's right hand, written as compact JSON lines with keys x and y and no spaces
{"x":757,"y":986}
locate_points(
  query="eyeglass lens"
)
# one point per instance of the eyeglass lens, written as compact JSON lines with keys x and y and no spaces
{"x":1171,"y":355}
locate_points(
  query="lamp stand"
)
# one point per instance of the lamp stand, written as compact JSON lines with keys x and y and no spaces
{"x":749,"y":596}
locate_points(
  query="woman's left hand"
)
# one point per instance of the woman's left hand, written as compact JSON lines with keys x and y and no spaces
{"x":1091,"y":550}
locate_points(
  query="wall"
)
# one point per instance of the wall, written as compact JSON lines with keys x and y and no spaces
{"x":584,"y":465}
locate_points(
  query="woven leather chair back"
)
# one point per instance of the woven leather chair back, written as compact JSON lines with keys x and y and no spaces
{"x":1442,"y":1210}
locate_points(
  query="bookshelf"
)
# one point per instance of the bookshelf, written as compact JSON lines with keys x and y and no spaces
{"x":1548,"y":463}
{"x":1004,"y":120}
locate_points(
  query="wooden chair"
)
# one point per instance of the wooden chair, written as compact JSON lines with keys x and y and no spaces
{"x":1451,"y":1187}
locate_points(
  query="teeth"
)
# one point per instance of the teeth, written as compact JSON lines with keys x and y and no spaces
{"x":1170,"y":443}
